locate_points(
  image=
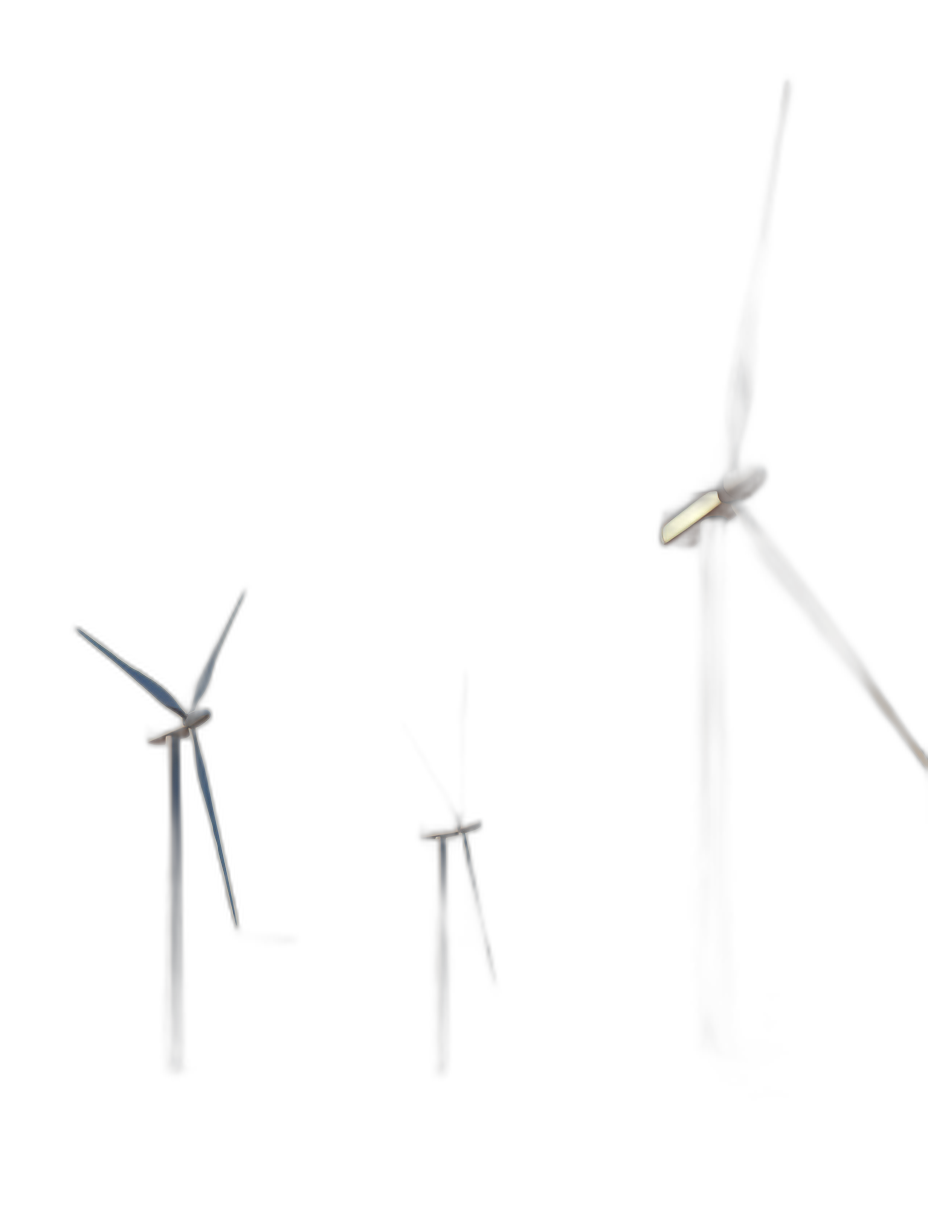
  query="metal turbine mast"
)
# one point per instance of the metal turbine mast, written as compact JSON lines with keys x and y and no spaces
{"x":191,"y":719}
{"x":460,"y":830}
{"x":708,"y":513}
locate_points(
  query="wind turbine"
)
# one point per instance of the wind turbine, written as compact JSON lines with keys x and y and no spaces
{"x":191,"y":719}
{"x":461,"y":830}
{"x":704,"y":518}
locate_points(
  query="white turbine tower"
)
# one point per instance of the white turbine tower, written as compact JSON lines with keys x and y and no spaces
{"x":461,"y":829}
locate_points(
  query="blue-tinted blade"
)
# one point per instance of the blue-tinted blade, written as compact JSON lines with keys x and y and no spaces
{"x":203,"y":682}
{"x":740,"y":391}
{"x":207,"y":796}
{"x":483,"y":927}
{"x":152,"y":686}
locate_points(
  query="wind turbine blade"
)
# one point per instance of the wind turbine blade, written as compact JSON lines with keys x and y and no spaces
{"x":741,"y":380}
{"x":160,"y":694}
{"x":205,"y":676}
{"x":433,"y":776}
{"x":784,"y":572}
{"x":483,"y":927}
{"x":464,"y":748}
{"x":204,"y":787}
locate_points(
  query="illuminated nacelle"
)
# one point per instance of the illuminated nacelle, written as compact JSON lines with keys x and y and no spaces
{"x":683,"y":529}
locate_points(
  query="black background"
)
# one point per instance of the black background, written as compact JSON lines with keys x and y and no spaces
{"x":423,"y":361}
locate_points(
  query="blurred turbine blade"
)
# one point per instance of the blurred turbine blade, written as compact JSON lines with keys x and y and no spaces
{"x":464,"y":748}
{"x":203,"y":682}
{"x":204,"y":787}
{"x":483,"y":927}
{"x":432,"y":775}
{"x":741,"y":380}
{"x":784,"y":572}
{"x":160,"y":694}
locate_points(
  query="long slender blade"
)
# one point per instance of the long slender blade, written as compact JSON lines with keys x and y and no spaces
{"x":206,"y":674}
{"x":741,"y":380}
{"x":433,"y":776}
{"x":483,"y":927}
{"x":784,"y":572}
{"x":207,"y":797}
{"x":151,"y":686}
{"x":463,"y":796}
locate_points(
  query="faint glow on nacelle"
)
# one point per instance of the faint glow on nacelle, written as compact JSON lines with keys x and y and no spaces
{"x":688,"y":517}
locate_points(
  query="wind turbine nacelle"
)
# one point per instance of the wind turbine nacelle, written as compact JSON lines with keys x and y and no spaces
{"x":196,"y":718}
{"x":455,"y":833}
{"x":683,"y":527}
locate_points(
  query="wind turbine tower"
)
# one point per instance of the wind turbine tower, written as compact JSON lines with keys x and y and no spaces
{"x":461,"y":830}
{"x":191,"y":719}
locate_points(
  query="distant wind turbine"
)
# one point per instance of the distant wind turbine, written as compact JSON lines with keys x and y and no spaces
{"x":190,"y":720}
{"x":460,"y":830}
{"x":708,"y":513}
